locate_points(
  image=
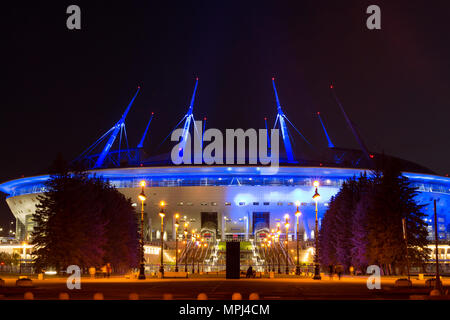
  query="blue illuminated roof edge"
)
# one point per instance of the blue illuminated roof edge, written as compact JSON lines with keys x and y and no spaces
{"x":329,"y":172}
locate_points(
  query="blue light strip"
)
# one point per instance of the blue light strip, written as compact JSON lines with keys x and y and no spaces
{"x":194,"y":175}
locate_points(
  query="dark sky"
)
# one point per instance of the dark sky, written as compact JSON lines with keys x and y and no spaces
{"x":62,"y":89}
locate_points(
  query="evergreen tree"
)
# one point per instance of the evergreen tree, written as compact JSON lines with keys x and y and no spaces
{"x":363,"y":224}
{"x":393,"y":199}
{"x":83,"y":221}
{"x":359,"y":241}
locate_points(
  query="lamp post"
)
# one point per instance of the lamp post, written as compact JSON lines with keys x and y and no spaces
{"x":186,"y":224}
{"x":263,"y":245}
{"x":162,"y":215}
{"x":316,"y":198}
{"x":279,"y":246}
{"x":201,"y":254}
{"x":142,"y":197}
{"x":269,"y":243}
{"x":205,"y":245}
{"x":193,"y":250}
{"x":286,"y":225}
{"x":273,"y":249}
{"x":437,"y":283}
{"x":297,"y":215}
{"x":177,"y":224}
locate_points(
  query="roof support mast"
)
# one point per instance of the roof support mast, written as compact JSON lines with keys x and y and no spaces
{"x":115,"y":131}
{"x":283,"y":126}
{"x":350,"y":124}
{"x":141,"y":143}
{"x":330,"y":144}
{"x":189,"y":118}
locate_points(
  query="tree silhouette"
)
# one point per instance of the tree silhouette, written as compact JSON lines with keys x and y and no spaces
{"x":84,"y":221}
{"x":363,"y":224}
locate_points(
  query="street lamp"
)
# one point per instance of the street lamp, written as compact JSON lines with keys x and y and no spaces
{"x":269,"y":243}
{"x":279,"y":246}
{"x":142,"y":197}
{"x":316,"y":198}
{"x":297,"y":215}
{"x":263,"y":245}
{"x":201,"y":254}
{"x":177,"y":224}
{"x":286,"y":225}
{"x":272,"y":235}
{"x":162,"y":215}
{"x":205,"y":245}
{"x":186,"y":224}
{"x":193,"y":240}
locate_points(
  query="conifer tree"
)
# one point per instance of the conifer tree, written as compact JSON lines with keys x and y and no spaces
{"x":84,"y":221}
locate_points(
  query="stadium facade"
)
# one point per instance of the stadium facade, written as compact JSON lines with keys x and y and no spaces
{"x":231,"y":201}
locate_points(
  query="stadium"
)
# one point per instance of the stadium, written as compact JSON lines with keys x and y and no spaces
{"x":239,"y":201}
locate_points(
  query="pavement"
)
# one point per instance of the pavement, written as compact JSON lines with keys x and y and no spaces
{"x":119,"y":288}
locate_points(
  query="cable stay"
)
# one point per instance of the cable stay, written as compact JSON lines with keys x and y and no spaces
{"x":330,"y":144}
{"x":141,"y":143}
{"x":176,"y":126}
{"x":95,"y":144}
{"x":350,"y":124}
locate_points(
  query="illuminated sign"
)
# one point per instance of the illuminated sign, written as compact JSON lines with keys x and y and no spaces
{"x":152,"y":250}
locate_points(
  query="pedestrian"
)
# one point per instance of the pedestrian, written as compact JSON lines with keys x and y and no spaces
{"x":108,"y":269}
{"x":249,"y":272}
{"x":92,"y":272}
{"x":104,"y":271}
{"x":330,"y":271}
{"x":339,"y":270}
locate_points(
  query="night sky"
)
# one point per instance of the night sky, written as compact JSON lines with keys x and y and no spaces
{"x":63,"y":88}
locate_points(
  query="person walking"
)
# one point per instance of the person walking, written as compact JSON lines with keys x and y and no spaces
{"x":104,"y":271}
{"x":108,"y":269}
{"x":92,"y":272}
{"x":339,"y":270}
{"x":330,"y":271}
{"x":249,"y":272}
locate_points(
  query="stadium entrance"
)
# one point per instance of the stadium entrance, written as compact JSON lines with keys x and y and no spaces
{"x":260,"y":224}
{"x":209,"y":225}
